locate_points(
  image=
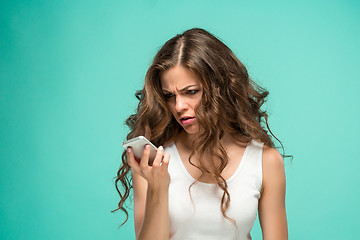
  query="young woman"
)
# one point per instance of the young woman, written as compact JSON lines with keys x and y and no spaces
{"x":218,"y":166}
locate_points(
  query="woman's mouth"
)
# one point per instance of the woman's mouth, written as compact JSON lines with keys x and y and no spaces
{"x":187,"y":120}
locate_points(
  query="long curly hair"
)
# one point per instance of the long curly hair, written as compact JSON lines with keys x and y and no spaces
{"x":231,"y":103}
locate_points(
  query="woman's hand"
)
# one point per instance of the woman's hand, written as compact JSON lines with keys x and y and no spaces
{"x":157,"y":174}
{"x":151,"y":194}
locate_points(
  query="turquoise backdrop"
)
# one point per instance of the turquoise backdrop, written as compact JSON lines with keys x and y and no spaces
{"x":69,"y":71}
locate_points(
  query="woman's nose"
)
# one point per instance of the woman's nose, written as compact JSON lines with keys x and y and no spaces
{"x":181,"y":104}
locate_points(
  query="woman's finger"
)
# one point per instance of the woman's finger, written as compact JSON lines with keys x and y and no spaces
{"x":131,"y":160}
{"x":165,"y":161}
{"x":144,"y":162}
{"x":158,"y":157}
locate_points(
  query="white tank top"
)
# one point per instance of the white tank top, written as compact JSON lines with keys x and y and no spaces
{"x":202,"y":218}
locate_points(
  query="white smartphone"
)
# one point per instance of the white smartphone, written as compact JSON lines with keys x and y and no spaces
{"x":138,"y":145}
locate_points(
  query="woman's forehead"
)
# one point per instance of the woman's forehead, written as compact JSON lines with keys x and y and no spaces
{"x":178,"y":77}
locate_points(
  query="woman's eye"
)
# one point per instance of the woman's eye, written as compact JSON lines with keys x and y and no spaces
{"x":168,"y":95}
{"x":192,"y":92}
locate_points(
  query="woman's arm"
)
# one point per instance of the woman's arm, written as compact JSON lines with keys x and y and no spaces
{"x":150,"y":185}
{"x":272,"y":212}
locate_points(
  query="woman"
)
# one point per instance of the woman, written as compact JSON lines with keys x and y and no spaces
{"x":219,"y":166}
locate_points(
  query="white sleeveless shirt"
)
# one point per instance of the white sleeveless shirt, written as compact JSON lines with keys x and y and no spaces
{"x":202,"y":218}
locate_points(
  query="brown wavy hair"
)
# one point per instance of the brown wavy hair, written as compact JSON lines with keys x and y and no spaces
{"x":230,"y":103}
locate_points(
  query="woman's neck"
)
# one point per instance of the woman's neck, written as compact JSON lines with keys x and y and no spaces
{"x":186,"y":139}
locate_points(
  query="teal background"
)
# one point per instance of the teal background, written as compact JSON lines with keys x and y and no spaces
{"x":68,"y":72}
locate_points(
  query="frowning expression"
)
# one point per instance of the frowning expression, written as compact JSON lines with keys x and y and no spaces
{"x":183,"y":92}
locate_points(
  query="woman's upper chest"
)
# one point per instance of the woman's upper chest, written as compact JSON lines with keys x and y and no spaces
{"x":235,"y":155}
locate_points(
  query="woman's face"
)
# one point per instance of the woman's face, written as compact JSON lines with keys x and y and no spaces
{"x":182,"y":91}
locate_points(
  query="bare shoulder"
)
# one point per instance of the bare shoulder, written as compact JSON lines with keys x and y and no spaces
{"x":273,"y":167}
{"x":272,"y":158}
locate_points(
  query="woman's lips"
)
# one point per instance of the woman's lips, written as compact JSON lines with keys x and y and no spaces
{"x":187,"y":120}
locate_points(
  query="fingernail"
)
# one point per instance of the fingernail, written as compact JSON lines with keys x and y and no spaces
{"x":161,"y":148}
{"x":147,"y":146}
{"x":128,"y":150}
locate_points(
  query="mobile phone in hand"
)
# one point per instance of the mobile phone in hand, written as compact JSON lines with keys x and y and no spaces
{"x":138,"y":144}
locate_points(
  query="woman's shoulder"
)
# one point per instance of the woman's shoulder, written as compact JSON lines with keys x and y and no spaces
{"x":272,"y":157}
{"x":273,"y":167}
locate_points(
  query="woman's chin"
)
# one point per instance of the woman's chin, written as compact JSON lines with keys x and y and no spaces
{"x":191,"y":130}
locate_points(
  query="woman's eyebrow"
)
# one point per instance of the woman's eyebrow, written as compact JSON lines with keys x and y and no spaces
{"x":184,"y":89}
{"x":189,"y":86}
